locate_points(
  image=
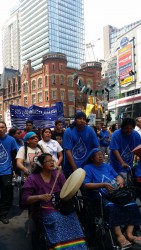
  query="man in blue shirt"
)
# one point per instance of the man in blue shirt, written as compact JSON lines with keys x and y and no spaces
{"x":104,"y":137}
{"x":78,"y":140}
{"x":8,"y":150}
{"x":123,"y":141}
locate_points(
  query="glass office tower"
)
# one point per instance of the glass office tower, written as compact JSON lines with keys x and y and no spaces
{"x":52,"y":26}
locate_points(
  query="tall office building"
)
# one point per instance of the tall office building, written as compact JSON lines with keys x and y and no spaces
{"x":11,"y":40}
{"x":111,"y":43}
{"x":52,"y":26}
{"x":111,"y":35}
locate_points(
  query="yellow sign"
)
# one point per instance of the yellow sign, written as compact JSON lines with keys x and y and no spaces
{"x":126,"y":80}
{"x":89,"y":108}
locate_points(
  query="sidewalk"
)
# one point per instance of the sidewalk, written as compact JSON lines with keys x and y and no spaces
{"x":13,"y":235}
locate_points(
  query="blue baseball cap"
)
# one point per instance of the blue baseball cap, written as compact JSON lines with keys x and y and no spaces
{"x":28,"y":135}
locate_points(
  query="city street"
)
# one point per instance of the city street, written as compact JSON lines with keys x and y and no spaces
{"x":13,"y":235}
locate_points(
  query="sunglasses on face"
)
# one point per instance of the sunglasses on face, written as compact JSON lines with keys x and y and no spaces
{"x":33,"y":137}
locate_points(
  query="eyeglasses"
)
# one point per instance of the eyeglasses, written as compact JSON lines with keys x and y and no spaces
{"x":49,"y":161}
{"x":33,"y":137}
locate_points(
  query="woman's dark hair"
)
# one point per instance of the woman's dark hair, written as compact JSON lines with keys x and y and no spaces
{"x":113,"y":127}
{"x":12,"y":131}
{"x":44,"y":129}
{"x":128,"y":121}
{"x":40,"y":161}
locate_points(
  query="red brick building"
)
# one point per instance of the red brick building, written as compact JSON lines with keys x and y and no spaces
{"x":50,"y":84}
{"x":54,"y":82}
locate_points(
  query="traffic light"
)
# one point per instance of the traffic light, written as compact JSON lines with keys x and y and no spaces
{"x":75,"y":76}
{"x":132,"y":73}
{"x":80,"y":84}
{"x":83,"y":89}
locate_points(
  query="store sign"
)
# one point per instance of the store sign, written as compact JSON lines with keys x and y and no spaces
{"x":125,"y":63}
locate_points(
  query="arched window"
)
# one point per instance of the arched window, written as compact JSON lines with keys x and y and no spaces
{"x":40,"y":83}
{"x":33,"y":84}
{"x":70,"y":82}
{"x":46,"y":81}
{"x":62,"y":80}
{"x":53,"y":79}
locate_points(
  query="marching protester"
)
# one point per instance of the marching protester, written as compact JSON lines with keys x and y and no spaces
{"x":104,"y":138}
{"x":62,"y":231}
{"x":52,"y":146}
{"x":123,"y":141}
{"x":16,"y":134}
{"x":78,"y":140}
{"x":27,"y":154}
{"x":138,"y":125}
{"x":28,"y":128}
{"x":102,"y":177}
{"x":26,"y":161}
{"x":58,"y":132}
{"x":8,"y":150}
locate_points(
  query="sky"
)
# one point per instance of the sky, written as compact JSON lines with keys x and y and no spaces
{"x":97,"y":13}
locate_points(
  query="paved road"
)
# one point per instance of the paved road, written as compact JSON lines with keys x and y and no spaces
{"x":13,"y":235}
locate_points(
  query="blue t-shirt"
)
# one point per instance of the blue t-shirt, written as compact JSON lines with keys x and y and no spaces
{"x":99,"y":174}
{"x":137,"y":170}
{"x":7,"y":146}
{"x":124,"y":144}
{"x":80,"y":143}
{"x":104,"y":136}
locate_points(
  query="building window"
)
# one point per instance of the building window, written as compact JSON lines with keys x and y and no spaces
{"x":40,"y":83}
{"x":71,"y":96}
{"x":19,"y":83}
{"x":14,"y":85}
{"x":18,"y":102}
{"x":46,"y":96}
{"x":70,"y":82}
{"x":62,"y":80}
{"x":53,"y":66}
{"x":62,"y":95}
{"x":60,"y":66}
{"x":71,"y":111}
{"x":46,"y":81}
{"x":25,"y":101}
{"x":53,"y":79}
{"x":54,"y":94}
{"x":9,"y":84}
{"x":40,"y":99}
{"x":33,"y":99}
{"x":6,"y":106}
{"x":33,"y":85}
{"x":89,"y":84}
{"x":25,"y":87}
{"x":1,"y":107}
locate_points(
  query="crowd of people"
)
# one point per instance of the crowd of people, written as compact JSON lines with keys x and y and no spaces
{"x":44,"y":159}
